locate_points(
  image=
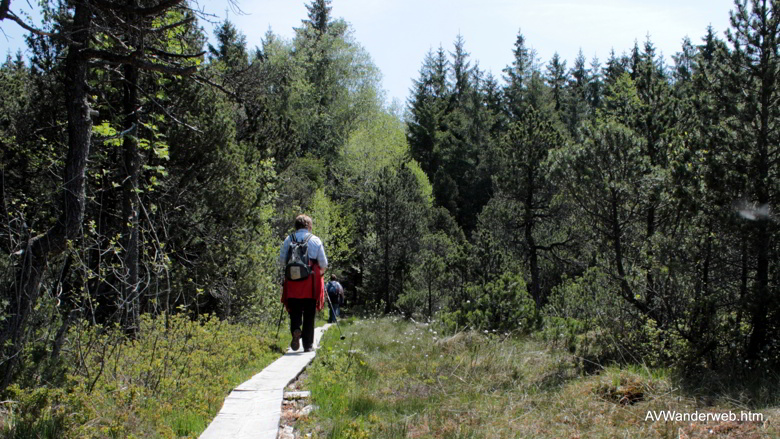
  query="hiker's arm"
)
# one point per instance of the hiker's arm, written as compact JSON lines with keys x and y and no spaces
{"x":322,"y":259}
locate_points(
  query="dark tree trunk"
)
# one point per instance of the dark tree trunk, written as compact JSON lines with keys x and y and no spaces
{"x":42,"y":248}
{"x":763,"y":237}
{"x":132,"y":166}
{"x":533,"y":251}
{"x":617,"y":242}
{"x":763,"y":303}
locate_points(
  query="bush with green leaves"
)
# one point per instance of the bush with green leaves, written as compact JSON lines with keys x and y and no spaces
{"x":502,"y":304}
{"x":587,"y":316}
{"x":168,"y":382}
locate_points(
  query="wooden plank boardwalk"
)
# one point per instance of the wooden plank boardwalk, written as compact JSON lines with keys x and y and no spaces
{"x":253,"y":409}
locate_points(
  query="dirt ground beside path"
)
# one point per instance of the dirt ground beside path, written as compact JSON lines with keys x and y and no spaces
{"x":294,"y":409}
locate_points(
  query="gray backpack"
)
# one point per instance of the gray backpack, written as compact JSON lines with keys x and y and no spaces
{"x":297,"y":267}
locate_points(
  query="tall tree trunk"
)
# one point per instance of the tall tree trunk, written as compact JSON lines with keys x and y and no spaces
{"x":387,"y":232}
{"x":533,"y":251}
{"x":763,"y":303}
{"x":761,"y":298}
{"x":430,"y":299}
{"x":40,"y":249}
{"x":132,"y":164}
{"x":617,"y":242}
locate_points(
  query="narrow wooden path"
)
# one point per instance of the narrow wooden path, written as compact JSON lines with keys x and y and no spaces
{"x":253,"y":409}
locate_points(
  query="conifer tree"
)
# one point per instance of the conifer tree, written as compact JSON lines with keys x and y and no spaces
{"x":524,"y":179}
{"x":231,"y":48}
{"x":319,"y":15}
{"x":576,"y":97}
{"x":616,"y":66}
{"x":428,"y":107}
{"x":461,"y":72}
{"x":80,"y":29}
{"x":594,"y":88}
{"x":517,"y":76}
{"x":557,"y":78}
{"x":753,"y":79}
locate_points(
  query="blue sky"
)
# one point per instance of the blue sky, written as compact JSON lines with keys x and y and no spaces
{"x":398,"y":33}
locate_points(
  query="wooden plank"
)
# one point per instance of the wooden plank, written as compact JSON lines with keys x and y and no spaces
{"x":253,"y":409}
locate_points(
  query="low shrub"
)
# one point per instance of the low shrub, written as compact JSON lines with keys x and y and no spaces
{"x":167,"y":382}
{"x":501,"y":305}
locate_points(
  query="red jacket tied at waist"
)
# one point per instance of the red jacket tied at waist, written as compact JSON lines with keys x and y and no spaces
{"x":311,"y":288}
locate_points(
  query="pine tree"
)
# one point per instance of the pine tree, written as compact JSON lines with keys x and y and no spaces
{"x":684,"y":62}
{"x":398,"y":212}
{"x":754,"y":77}
{"x":335,"y":85}
{"x":524,"y":180}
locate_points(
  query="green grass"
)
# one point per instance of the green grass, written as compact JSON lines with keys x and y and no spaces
{"x":186,"y":423}
{"x":394,"y":379}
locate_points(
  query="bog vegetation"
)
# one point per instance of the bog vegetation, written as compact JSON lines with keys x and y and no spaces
{"x":393,"y":378}
{"x":625,"y":208}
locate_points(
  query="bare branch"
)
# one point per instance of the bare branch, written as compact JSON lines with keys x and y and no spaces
{"x":236,"y":8}
{"x":113,"y":58}
{"x":11,"y":16}
{"x":176,"y":55}
{"x":204,"y":80}
{"x":173,"y":25}
{"x":5,"y":5}
{"x":171,"y":116}
{"x":116,"y":39}
{"x":152,"y":10}
{"x":116,"y":136}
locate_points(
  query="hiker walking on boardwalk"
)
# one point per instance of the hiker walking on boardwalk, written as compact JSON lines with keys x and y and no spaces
{"x":336,"y":296}
{"x":303,"y":258}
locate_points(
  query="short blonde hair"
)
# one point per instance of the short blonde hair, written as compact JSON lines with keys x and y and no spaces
{"x":303,"y":222}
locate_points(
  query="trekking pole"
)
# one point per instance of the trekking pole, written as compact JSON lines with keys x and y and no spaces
{"x":334,"y":317}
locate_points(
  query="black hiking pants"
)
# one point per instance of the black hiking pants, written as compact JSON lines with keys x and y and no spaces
{"x":303,"y":311}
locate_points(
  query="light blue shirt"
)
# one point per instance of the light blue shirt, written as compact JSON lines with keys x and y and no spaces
{"x":316,"y":249}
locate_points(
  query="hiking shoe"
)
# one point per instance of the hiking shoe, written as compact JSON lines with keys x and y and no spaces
{"x":308,"y":349}
{"x":295,"y":343}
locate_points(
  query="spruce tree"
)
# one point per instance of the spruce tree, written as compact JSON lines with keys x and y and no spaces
{"x":616,"y":66}
{"x":557,"y":78}
{"x":461,"y":72}
{"x":517,"y":76}
{"x":231,"y":48}
{"x":576,"y":97}
{"x":428,"y":107}
{"x":753,"y":79}
{"x":319,"y":16}
{"x":594,"y":88}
